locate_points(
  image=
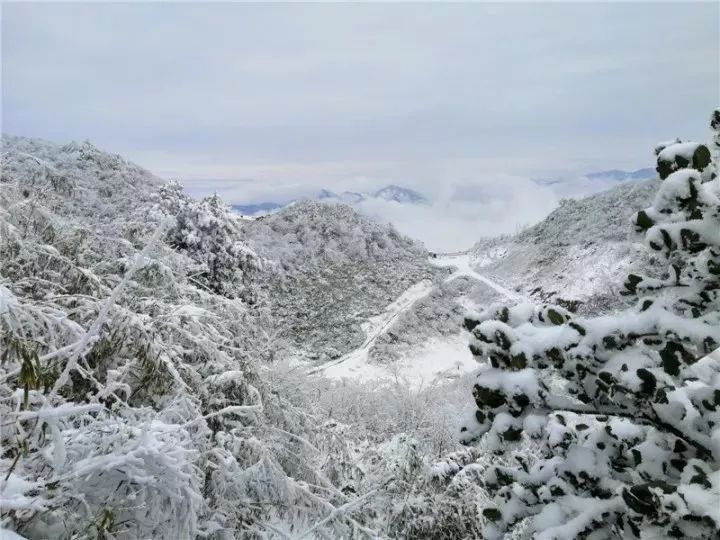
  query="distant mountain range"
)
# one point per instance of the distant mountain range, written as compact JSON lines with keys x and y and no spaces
{"x":594,"y":182}
{"x":623,"y":176}
{"x":257,"y":209}
{"x":591,"y":182}
{"x":391,"y":193}
{"x":610,"y":176}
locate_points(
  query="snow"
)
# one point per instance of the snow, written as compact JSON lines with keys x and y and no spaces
{"x":579,"y":253}
{"x":685,"y":150}
{"x":7,"y":534}
{"x":434,"y":362}
{"x":14,"y":494}
{"x":511,"y":383}
{"x":378,"y":324}
{"x":374,"y":327}
{"x":7,"y":300}
{"x":463,"y":264}
{"x":436,"y":359}
{"x":211,"y":423}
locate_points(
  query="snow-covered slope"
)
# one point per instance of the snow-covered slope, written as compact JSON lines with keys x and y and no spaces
{"x":623,"y":176}
{"x":330,"y":270}
{"x":77,"y":178}
{"x":576,"y":256}
{"x":117,"y":348}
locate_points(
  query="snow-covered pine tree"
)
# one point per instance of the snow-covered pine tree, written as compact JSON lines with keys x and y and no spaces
{"x":610,"y":427}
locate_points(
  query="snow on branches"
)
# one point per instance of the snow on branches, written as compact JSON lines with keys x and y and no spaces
{"x":132,"y":397}
{"x":209,"y":233}
{"x":624,"y":409}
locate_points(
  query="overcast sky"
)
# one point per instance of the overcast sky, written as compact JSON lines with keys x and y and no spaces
{"x":270,"y":101}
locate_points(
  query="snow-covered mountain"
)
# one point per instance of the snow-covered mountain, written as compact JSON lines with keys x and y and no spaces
{"x":127,"y":307}
{"x":330,"y":269}
{"x":578,"y":254}
{"x":326,"y":262}
{"x":594,"y":182}
{"x":257,"y":209}
{"x":610,"y":175}
{"x":623,"y":176}
{"x":400,"y":195}
{"x":391,"y":193}
{"x":346,"y":197}
{"x":576,"y":257}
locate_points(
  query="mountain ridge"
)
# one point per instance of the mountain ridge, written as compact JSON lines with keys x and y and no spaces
{"x":389,"y":193}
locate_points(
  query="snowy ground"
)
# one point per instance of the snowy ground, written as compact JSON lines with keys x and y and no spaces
{"x":437,"y":360}
{"x":463,"y":263}
{"x":374,"y":328}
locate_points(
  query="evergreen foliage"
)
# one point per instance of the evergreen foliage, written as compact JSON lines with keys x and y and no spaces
{"x":622,"y":410}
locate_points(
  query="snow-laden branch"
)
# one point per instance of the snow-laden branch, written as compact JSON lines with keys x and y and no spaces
{"x":335,"y":513}
{"x":93,"y":332}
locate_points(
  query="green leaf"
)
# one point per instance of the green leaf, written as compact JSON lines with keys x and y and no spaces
{"x":632,"y":282}
{"x":555,"y":317}
{"x":493,"y":514}
{"x":643,"y":221}
{"x":518,"y":361}
{"x":671,"y":355}
{"x":488,"y":398}
{"x":701,"y":158}
{"x":512,"y":434}
{"x":470,"y":324}
{"x":640,"y":499}
{"x":649,"y":382}
{"x":580,"y":329}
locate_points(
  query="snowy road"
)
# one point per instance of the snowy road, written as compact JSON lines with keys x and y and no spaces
{"x":462,"y":263}
{"x":355,"y":363}
{"x":378,"y":325}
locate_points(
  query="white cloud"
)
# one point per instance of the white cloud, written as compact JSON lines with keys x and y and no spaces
{"x":467,"y":211}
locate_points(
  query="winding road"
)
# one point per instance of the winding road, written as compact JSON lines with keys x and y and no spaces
{"x":380,"y":324}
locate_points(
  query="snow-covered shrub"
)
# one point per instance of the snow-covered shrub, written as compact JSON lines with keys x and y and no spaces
{"x":401,"y":445}
{"x":678,"y":156}
{"x":624,"y":408}
{"x":329,"y":269}
{"x":208,"y":232}
{"x":133,"y":397}
{"x":578,"y":255}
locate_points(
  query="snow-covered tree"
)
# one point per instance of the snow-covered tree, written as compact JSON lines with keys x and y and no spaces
{"x":609,"y":427}
{"x":133,"y":396}
{"x":329,"y":269}
{"x":208,"y":232}
{"x":681,"y":155}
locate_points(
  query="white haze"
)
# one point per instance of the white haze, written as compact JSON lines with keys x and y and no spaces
{"x":466,"y":211}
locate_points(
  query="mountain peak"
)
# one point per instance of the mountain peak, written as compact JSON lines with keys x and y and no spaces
{"x":390,"y":193}
{"x":399,"y":194}
{"x":326,"y":194}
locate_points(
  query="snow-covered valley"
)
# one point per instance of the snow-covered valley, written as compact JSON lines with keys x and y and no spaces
{"x":435,"y":360}
{"x":174,"y":371}
{"x":359,"y":270}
